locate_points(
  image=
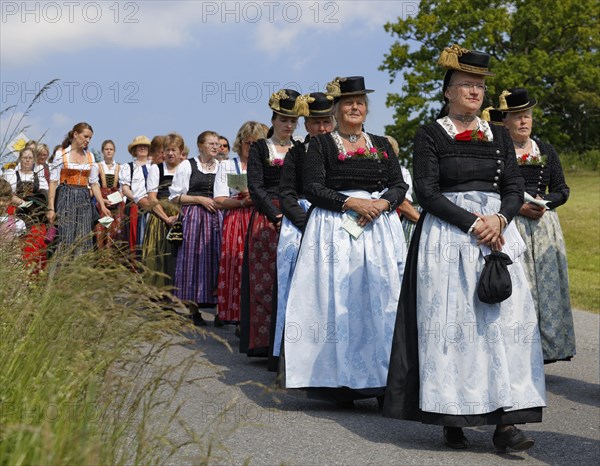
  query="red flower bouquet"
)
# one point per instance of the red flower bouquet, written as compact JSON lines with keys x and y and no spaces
{"x":471,"y":135}
{"x":532,"y":159}
{"x":362,"y":153}
{"x":276,"y":162}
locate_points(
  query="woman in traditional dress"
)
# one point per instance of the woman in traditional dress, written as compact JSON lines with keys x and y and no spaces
{"x":30,"y":192}
{"x":41,"y":154}
{"x":69,"y":201}
{"x":134,"y":180}
{"x":158,"y":253}
{"x":198,"y":256}
{"x":457,"y":361}
{"x":344,"y":291}
{"x":294,"y":207}
{"x":157,"y":150}
{"x":108,"y":172}
{"x":545,"y":259}
{"x":260,"y":255}
{"x":237,"y":204}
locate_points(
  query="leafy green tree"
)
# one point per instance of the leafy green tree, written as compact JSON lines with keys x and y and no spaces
{"x":550,"y":48}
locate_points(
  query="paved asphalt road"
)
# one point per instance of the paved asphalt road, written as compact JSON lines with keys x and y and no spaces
{"x":249,"y":423}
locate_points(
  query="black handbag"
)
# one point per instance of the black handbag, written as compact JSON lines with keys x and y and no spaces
{"x":494,"y":284}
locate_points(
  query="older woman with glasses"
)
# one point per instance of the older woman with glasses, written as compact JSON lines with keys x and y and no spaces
{"x":198,"y":256}
{"x":545,"y":259}
{"x":459,"y":360}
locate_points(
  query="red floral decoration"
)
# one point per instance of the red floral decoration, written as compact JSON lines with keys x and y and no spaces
{"x":362,"y":153}
{"x":471,"y":135}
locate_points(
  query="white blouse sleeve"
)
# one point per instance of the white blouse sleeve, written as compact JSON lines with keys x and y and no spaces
{"x":125,"y":175}
{"x":408,"y":181}
{"x":153,"y":179}
{"x":11,"y":177}
{"x":43,"y":184}
{"x":55,"y":168}
{"x":221,"y":189}
{"x":181,"y":180}
{"x":94,"y":174}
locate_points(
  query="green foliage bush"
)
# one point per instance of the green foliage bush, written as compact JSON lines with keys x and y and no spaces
{"x":580,"y":161}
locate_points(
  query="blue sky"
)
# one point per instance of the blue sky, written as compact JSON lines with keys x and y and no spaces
{"x":152,"y":67}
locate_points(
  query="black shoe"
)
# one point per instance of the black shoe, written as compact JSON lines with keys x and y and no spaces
{"x":218,"y":322}
{"x":198,"y":320}
{"x":512,"y":438}
{"x":455,"y":438}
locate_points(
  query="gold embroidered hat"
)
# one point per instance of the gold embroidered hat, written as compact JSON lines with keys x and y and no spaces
{"x":515,"y":100}
{"x":350,"y":85}
{"x":320,"y":104}
{"x":458,"y":58}
{"x":283,"y":102}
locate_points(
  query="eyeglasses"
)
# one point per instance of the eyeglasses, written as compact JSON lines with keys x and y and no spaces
{"x":247,"y":142}
{"x":225,"y":146}
{"x":469,"y":86}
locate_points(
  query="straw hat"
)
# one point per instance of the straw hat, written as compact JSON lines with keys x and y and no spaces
{"x":138,"y":141}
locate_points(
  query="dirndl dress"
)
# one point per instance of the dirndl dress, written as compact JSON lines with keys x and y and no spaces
{"x":339,"y":332}
{"x":546,"y":268}
{"x":474,"y":358}
{"x":235,"y":229}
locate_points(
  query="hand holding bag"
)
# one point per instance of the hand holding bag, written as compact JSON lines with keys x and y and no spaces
{"x":494,"y":284}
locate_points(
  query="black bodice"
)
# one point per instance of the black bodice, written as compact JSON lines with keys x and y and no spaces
{"x":443,"y":164}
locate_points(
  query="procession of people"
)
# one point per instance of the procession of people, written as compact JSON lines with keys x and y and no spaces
{"x":440,"y":293}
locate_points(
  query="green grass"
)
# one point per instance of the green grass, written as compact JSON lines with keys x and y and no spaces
{"x":83,"y":372}
{"x":580,"y":222}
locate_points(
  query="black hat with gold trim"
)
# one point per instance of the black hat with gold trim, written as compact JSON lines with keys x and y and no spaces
{"x":283,"y":102}
{"x":350,"y":85}
{"x":515,"y":100}
{"x":318,"y":104}
{"x":458,"y":58}
{"x":493,"y":115}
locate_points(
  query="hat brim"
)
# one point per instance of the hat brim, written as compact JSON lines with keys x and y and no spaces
{"x":287,"y":113}
{"x":320,"y":113}
{"x":532,"y":103}
{"x":130,"y":147}
{"x":361,"y":92}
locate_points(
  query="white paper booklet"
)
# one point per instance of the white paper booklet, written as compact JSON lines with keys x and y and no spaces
{"x":533,"y":200}
{"x":350,"y":224}
{"x":106,"y":222}
{"x":115,"y":198}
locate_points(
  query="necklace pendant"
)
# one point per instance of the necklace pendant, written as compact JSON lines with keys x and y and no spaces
{"x":353,"y":138}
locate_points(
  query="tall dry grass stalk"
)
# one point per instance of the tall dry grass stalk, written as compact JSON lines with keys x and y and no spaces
{"x":85,"y":373}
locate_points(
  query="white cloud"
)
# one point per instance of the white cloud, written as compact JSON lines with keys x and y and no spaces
{"x":34,"y":30}
{"x":60,"y":119}
{"x":327,"y":19}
